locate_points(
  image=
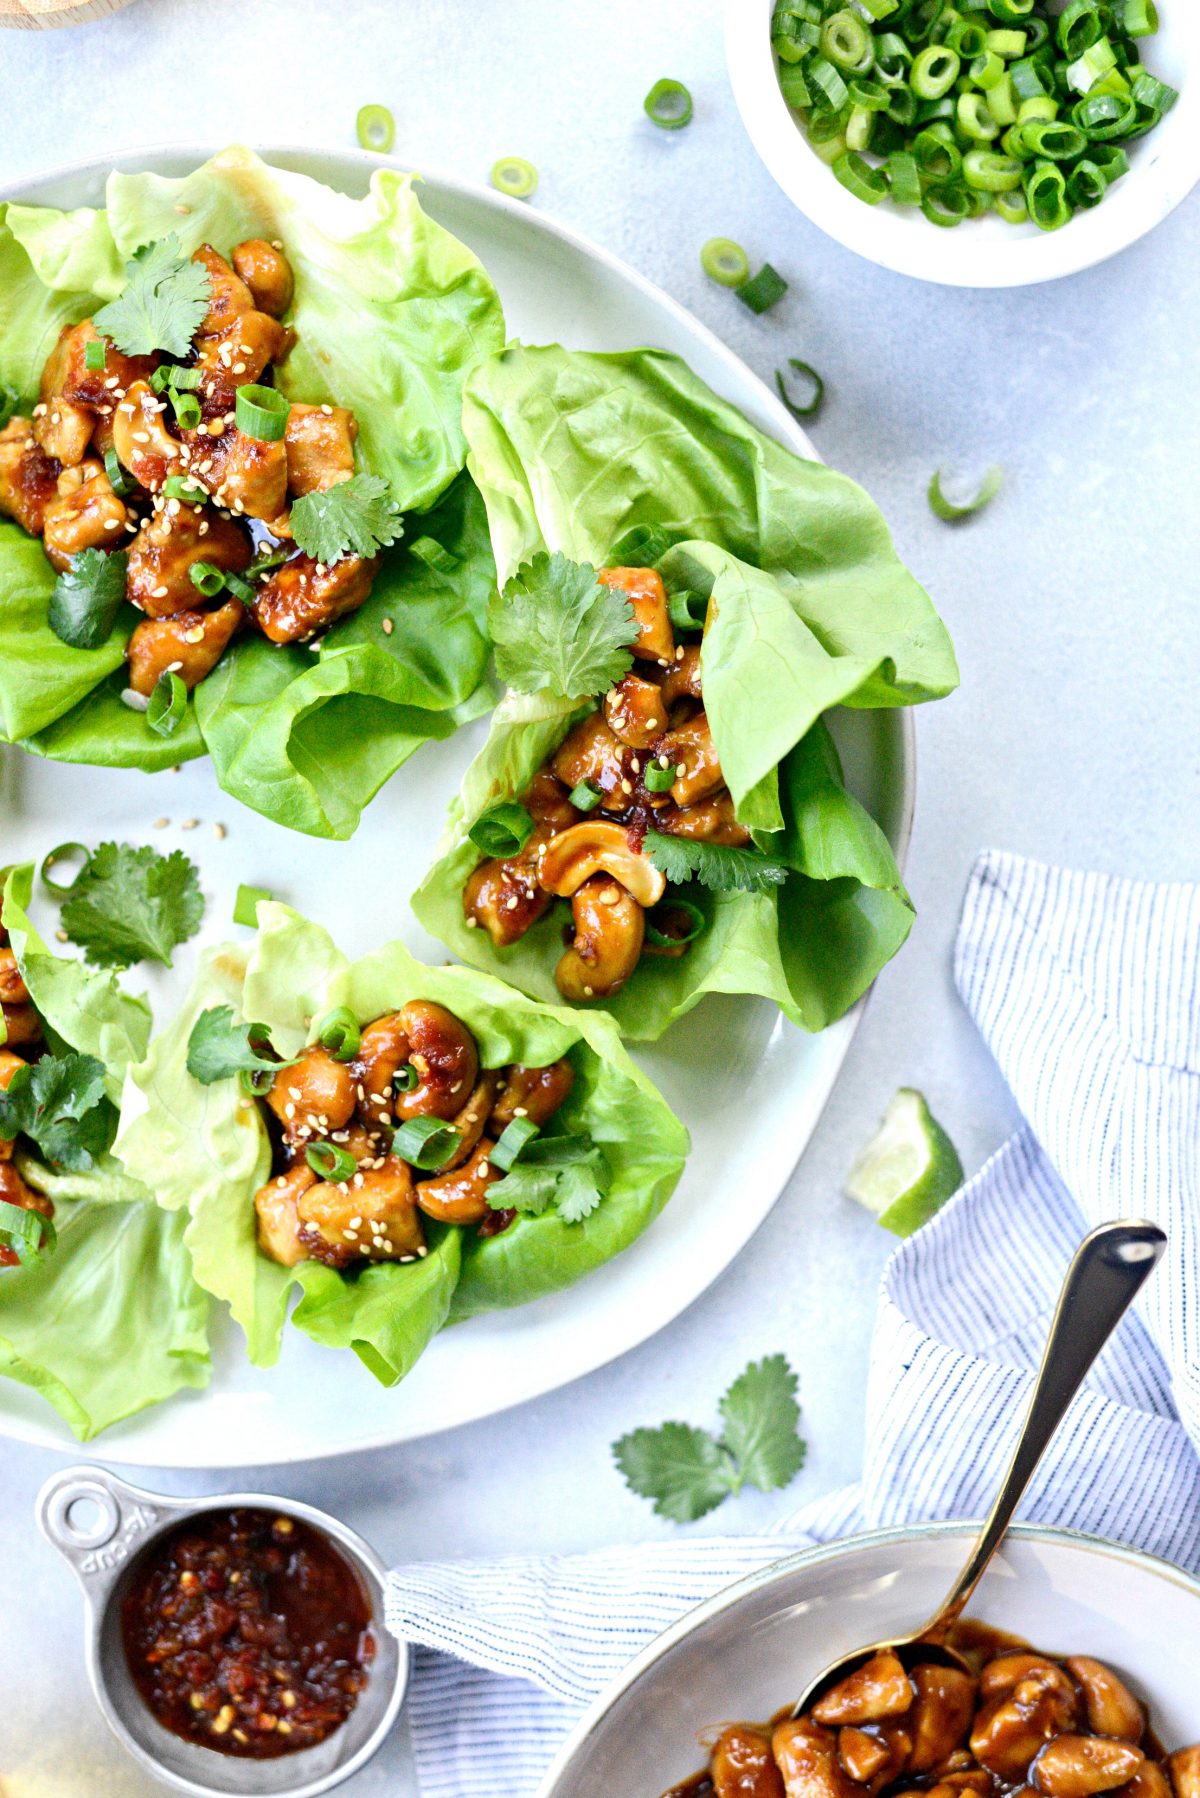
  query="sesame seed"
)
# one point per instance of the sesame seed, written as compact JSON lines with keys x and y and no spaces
{"x":220,"y":832}
{"x":62,"y":936}
{"x":387,"y":627}
{"x":277,"y":243}
{"x":181,"y":208}
{"x":289,"y":1111}
{"x":141,"y":436}
{"x":195,"y":635}
{"x":484,"y":1169}
{"x":652,"y":723}
{"x":112,"y":524}
{"x":589,"y":992}
{"x":627,"y":786}
{"x":421,"y":1253}
{"x":472,"y":923}
{"x":174,"y":667}
{"x":189,"y":824}
{"x":161,"y":823}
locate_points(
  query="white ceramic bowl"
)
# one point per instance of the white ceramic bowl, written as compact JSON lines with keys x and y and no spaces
{"x":749,"y":1651}
{"x":1164,"y":167}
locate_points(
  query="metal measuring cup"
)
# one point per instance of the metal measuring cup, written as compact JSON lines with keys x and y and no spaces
{"x":104,"y":1550}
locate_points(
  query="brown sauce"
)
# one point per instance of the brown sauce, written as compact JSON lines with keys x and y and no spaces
{"x":248,"y":1633}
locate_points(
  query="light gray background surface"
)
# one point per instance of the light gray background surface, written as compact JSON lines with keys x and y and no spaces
{"x":1072,"y":603}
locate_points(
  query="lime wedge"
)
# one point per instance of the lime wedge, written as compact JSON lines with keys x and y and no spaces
{"x":908,"y":1169}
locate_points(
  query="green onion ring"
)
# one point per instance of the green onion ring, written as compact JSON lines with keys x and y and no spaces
{"x":434,"y":554}
{"x":725,"y":262}
{"x":331,"y":1162}
{"x":502,"y":829}
{"x":339,"y":1033}
{"x":946,"y":205}
{"x":187,"y":409}
{"x":810,"y":374}
{"x":949,"y":511}
{"x":58,"y":888}
{"x":256,"y":1083}
{"x":763,"y":291}
{"x":585,"y":797}
{"x":207,"y":578}
{"x":121,"y":483}
{"x":245,"y":905}
{"x":168,"y":703}
{"x":859,"y":178}
{"x":406,"y":1079}
{"x":659,"y":779}
{"x":669,"y":105}
{"x":662,"y":939}
{"x":171,"y":374}
{"x":426,"y":1142}
{"x":93,"y":355}
{"x":513,"y":176}
{"x":375,"y":129}
{"x":688,"y":610}
{"x":261,"y":412}
{"x":182,"y":488}
{"x":240,"y":589}
{"x":512,"y":1139}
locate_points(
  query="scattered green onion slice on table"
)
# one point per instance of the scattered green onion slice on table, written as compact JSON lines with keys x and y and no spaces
{"x":659,"y":779}
{"x":93,"y":355}
{"x":207,"y":578}
{"x":763,"y":290}
{"x":512,"y":1139}
{"x":725,"y":262}
{"x":261,"y":412}
{"x":669,"y":105}
{"x":329,"y":1161}
{"x":375,"y":128}
{"x":513,"y":176}
{"x":180,"y":487}
{"x":338,"y":1032}
{"x":688,"y":610}
{"x":425,"y":1142}
{"x":64,"y":852}
{"x":118,"y":480}
{"x":950,"y":510}
{"x":810,"y":374}
{"x":585,"y":797}
{"x":502,"y":829}
{"x":670,"y":909}
{"x":245,"y":905}
{"x":168,"y":703}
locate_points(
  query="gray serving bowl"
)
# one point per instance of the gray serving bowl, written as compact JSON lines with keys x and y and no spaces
{"x":103,"y":1527}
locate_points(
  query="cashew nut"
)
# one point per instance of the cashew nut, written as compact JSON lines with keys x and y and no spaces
{"x":431,"y":1040}
{"x":503,"y":895}
{"x":594,"y":847}
{"x":534,"y":1093}
{"x":610,"y":927}
{"x":266,"y":272}
{"x":142,"y":441}
{"x":460,"y":1196}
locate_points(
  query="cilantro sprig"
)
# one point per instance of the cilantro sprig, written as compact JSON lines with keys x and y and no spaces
{"x":87,"y":597}
{"x":717,"y":866}
{"x":688,"y":1472}
{"x":60,"y":1104}
{"x":165,"y":298}
{"x":570,"y":1172}
{"x":356,"y":517}
{"x":132,"y":904}
{"x":219,"y":1049}
{"x":557,"y":629}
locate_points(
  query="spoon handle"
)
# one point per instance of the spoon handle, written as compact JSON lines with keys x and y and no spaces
{"x":1109,"y":1270}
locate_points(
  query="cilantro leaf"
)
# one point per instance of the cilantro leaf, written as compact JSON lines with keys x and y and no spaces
{"x":26,"y":1232}
{"x":218,"y":1048}
{"x":166,"y":296}
{"x":714,"y":865}
{"x":570,"y":1172}
{"x":356,"y":517}
{"x":87,"y":597}
{"x":61,"y":1105}
{"x":761,"y":1415}
{"x":688,"y":1472}
{"x":682,"y":1469}
{"x":557,"y":629}
{"x":132,"y":904}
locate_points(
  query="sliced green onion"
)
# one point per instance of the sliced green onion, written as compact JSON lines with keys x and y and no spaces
{"x":257,"y":1082}
{"x":1027,"y":79}
{"x":1001,"y":103}
{"x":512,"y":1139}
{"x":1086,"y":184}
{"x":339,"y":1034}
{"x":329,"y":1161}
{"x":187,"y":409}
{"x":893,"y":59}
{"x":502,"y":829}
{"x":821,"y":75}
{"x":93,"y":354}
{"x":179,"y":486}
{"x":794,"y":87}
{"x":809,"y":372}
{"x":920,"y":19}
{"x":433,"y":554}
{"x":764,"y":290}
{"x":245,"y":905}
{"x":375,"y":129}
{"x":207,"y":578}
{"x":1110,"y":159}
{"x":261,"y":412}
{"x":725,"y":262}
{"x":859,"y":128}
{"x":688,"y":610}
{"x":1092,"y":66}
{"x":946,"y":205}
{"x":949,"y":511}
{"x":121,"y":483}
{"x":406,"y":1079}
{"x":903,"y":107}
{"x":241,"y":589}
{"x":1013,"y":208}
{"x":904,"y":178}
{"x":425,"y":1142}
{"x":585,"y":797}
{"x":846,"y":41}
{"x":1046,"y":192}
{"x":270,"y":558}
{"x":1008,"y":44}
{"x":934,"y":71}
{"x":669,"y":105}
{"x":27,"y":1232}
{"x":659,"y":779}
{"x":171,"y":374}
{"x":670,"y":909}
{"x":513,"y":176}
{"x":990,"y":173}
{"x":974,"y":119}
{"x":872,"y":95}
{"x":966,"y":38}
{"x":987,"y":69}
{"x":65,"y":851}
{"x":1077,"y":28}
{"x":1139,"y":18}
{"x":1011,"y":12}
{"x":168,"y":703}
{"x":1104,"y":116}
{"x":938,"y":156}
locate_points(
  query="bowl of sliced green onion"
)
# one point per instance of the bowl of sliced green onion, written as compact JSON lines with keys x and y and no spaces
{"x":978,"y":143}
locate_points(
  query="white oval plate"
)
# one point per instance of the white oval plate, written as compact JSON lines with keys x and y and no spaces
{"x":750,"y":1650}
{"x":728,"y":1053}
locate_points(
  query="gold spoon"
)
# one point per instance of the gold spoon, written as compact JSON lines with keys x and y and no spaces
{"x":1109,"y":1270}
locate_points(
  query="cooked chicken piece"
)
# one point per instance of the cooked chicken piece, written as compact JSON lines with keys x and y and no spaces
{"x":460,"y":1196}
{"x":712,"y":820}
{"x":690,"y":748}
{"x":22,"y":1027}
{"x":683,"y":680}
{"x":320,"y":447}
{"x":63,"y":428}
{"x":276,"y":1208}
{"x":267,"y":273}
{"x":314,"y":1096}
{"x":643,"y":588}
{"x":13,"y":990}
{"x":243,"y":473}
{"x":28,"y":477}
{"x":228,"y":295}
{"x":84,"y":514}
{"x":635,"y":711}
{"x":504,"y":896}
{"x":534,"y":1093}
{"x":168,"y":545}
{"x":142,"y":441}
{"x":190,"y":645}
{"x":372,"y":1216}
{"x":547,"y":801}
{"x":593,"y":753}
{"x":239,"y":354}
{"x":301,"y":598}
{"x":14,"y":1191}
{"x":73,"y":380}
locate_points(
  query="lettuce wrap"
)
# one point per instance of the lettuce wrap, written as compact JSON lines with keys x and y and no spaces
{"x":598,"y":457}
{"x":390,"y":311}
{"x":205,"y":1150}
{"x":110,"y":1319}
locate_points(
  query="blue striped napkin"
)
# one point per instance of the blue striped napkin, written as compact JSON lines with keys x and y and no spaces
{"x":1087,"y":990}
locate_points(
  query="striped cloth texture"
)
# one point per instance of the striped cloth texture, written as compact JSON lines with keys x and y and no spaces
{"x":1087,"y":991}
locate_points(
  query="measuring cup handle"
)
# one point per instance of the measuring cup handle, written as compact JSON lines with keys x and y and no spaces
{"x":112,"y":1522}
